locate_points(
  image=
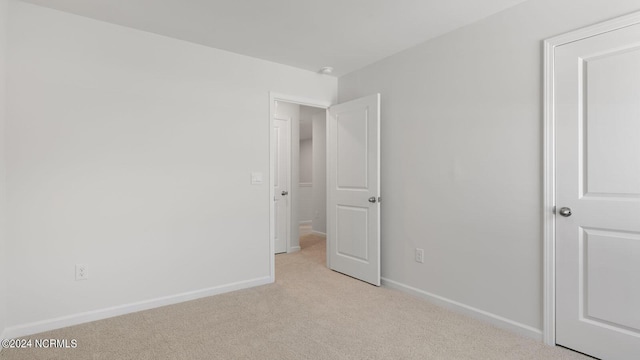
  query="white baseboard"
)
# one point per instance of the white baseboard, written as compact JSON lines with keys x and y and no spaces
{"x":305,"y":222}
{"x":318,"y":233}
{"x":80,"y":318}
{"x":493,"y":319}
{"x":294,"y":249}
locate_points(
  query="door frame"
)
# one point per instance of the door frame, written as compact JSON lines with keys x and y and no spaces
{"x":549,"y":154}
{"x":273,"y":97}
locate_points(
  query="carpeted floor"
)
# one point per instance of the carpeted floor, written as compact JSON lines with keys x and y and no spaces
{"x":309,"y":313}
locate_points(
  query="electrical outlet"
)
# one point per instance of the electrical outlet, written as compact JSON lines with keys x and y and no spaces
{"x":420,"y":255}
{"x":82,"y":272}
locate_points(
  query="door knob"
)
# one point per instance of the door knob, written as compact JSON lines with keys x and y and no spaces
{"x":565,"y":211}
{"x":372,"y":200}
{"x":284,"y":193}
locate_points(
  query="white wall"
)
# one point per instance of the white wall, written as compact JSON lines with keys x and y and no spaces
{"x":131,"y":152}
{"x":319,"y":123}
{"x":306,"y":129}
{"x":462,"y":156}
{"x":3,"y":247}
{"x":305,"y":186}
{"x":305,"y":203}
{"x":306,"y":161}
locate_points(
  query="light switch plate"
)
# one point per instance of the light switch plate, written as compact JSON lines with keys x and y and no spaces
{"x":256,"y":178}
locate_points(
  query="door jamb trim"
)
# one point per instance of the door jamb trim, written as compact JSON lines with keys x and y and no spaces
{"x":549,"y":153}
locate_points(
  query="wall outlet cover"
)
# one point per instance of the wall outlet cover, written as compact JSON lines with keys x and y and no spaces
{"x":82,"y":272}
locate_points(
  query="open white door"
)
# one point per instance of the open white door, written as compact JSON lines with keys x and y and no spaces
{"x":353,"y":189}
{"x":281,"y":175}
{"x":597,"y":111}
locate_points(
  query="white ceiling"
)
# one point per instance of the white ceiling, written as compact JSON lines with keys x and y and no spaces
{"x":344,"y":34}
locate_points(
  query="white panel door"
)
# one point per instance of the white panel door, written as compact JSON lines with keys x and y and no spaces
{"x":282,"y":167}
{"x":597,"y":112}
{"x":353,"y":208}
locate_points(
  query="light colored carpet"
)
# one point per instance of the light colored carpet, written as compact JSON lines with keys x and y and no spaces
{"x":305,"y":229}
{"x":309,"y":313}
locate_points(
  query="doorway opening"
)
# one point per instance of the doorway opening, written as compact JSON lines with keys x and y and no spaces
{"x":352,"y":181}
{"x":312,"y":166}
{"x":298,"y":172}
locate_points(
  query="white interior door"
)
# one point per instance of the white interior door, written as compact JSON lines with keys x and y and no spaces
{"x":597,"y":112}
{"x":282,"y":139}
{"x":353,"y":207}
